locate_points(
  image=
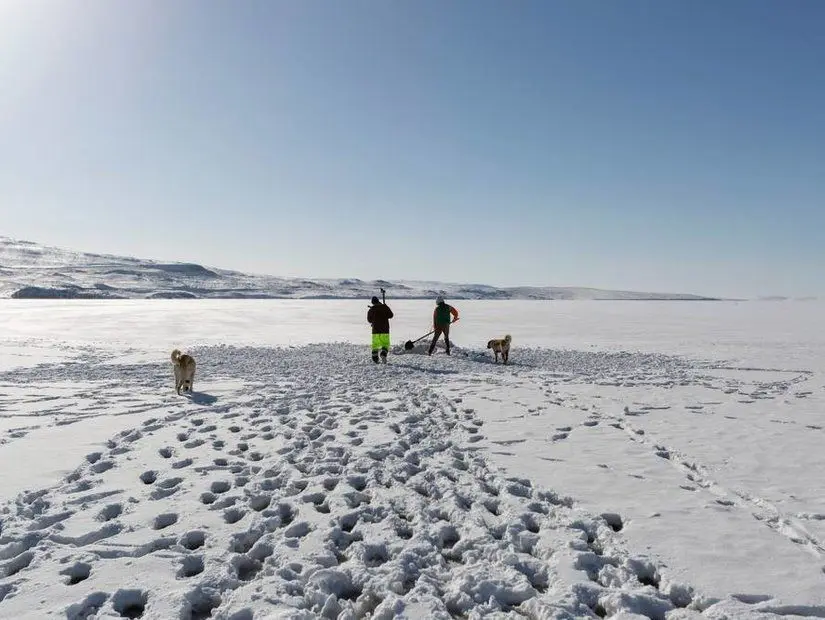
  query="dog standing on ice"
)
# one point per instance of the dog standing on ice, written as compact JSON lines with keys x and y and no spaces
{"x":501,"y":345}
{"x":184,"y":371}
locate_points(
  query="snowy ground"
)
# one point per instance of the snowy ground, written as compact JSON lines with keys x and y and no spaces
{"x":658,"y":459}
{"x":32,"y":271}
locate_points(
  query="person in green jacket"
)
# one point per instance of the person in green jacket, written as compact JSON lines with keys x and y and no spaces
{"x":442,"y":316}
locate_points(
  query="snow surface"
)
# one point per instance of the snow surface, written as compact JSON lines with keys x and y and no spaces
{"x":32,"y":271}
{"x":634,"y":460}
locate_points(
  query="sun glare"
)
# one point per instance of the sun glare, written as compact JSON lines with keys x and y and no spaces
{"x":19,"y":18}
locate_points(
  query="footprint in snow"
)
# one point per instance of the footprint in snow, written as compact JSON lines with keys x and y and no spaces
{"x":164,"y":520}
{"x":112,"y":511}
{"x":76,"y":573}
{"x":190,"y":566}
{"x":233,"y":515}
{"x":182,"y":463}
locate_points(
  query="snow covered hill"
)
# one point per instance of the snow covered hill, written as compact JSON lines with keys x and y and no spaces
{"x":30,"y":270}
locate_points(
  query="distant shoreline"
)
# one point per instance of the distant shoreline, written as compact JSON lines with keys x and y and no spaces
{"x":161,"y":297}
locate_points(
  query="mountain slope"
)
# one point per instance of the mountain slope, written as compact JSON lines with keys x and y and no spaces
{"x":29,"y":270}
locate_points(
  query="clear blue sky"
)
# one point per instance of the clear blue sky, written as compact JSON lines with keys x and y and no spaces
{"x":644,"y":144}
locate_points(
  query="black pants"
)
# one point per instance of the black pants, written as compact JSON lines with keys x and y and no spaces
{"x":375,"y":355}
{"x":441,"y":329}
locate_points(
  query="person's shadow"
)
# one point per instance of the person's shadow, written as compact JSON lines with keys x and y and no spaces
{"x":201,"y":398}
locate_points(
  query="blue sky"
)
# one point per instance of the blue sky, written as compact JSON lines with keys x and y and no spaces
{"x":643,"y":144}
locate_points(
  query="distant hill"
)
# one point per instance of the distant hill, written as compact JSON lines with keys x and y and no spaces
{"x":32,"y":271}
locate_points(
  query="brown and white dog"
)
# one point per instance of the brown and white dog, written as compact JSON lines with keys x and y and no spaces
{"x":184,"y":371}
{"x":501,"y":345}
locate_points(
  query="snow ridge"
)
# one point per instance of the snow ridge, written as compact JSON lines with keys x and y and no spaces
{"x":32,"y":271}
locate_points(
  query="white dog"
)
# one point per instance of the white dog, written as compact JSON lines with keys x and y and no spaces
{"x":501,"y":345}
{"x":184,"y":371}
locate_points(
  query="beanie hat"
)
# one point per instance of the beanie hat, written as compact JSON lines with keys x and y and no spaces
{"x":375,"y":300}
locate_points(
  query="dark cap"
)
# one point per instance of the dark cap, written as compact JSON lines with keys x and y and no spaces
{"x":375,"y":300}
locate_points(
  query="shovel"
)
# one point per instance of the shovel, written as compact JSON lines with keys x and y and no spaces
{"x":410,"y":344}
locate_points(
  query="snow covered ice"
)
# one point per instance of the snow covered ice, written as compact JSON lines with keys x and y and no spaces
{"x":634,"y":460}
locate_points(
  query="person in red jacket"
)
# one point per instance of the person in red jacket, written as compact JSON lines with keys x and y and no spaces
{"x":441,"y":322}
{"x":379,"y":316}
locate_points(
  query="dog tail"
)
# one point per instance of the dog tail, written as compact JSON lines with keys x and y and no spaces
{"x":489,"y":344}
{"x":176,"y":356}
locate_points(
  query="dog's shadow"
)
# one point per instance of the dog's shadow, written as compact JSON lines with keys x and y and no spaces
{"x":201,"y":398}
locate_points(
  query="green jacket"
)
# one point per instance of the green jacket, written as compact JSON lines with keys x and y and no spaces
{"x":443,"y":313}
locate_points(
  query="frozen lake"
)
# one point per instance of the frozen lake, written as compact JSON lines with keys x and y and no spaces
{"x":762,"y":331}
{"x":692,"y":429}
